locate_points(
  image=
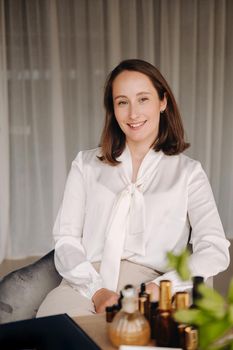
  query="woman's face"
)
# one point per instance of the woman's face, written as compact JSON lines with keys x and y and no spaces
{"x":137,"y":107}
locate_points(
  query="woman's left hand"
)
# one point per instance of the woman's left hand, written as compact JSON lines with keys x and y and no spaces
{"x":104,"y":297}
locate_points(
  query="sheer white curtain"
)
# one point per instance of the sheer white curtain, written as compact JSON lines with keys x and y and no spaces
{"x":54,"y":57}
{"x":4,"y":143}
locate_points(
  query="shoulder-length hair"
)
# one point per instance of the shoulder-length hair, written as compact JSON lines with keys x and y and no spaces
{"x":170,"y":137}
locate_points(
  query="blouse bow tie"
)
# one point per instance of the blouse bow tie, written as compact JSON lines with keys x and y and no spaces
{"x":135,"y":237}
{"x":125,"y":232}
{"x":126,"y":228}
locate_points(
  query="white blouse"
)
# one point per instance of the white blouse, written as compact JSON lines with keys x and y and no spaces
{"x":171,"y":194}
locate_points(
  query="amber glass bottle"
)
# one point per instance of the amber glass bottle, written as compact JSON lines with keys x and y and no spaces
{"x":181,"y":303}
{"x":153,"y":318}
{"x":129,"y":326}
{"x":191,"y":333}
{"x":109,"y":313}
{"x":197,"y":280}
{"x":164,"y":320}
{"x":142,"y":305}
{"x":191,"y":338}
{"x":144,"y":294}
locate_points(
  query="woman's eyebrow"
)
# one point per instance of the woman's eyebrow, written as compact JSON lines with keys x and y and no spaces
{"x":120,"y":96}
{"x":138,"y":94}
{"x":143,"y":93}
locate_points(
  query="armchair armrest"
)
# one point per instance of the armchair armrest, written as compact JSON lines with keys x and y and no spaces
{"x":23,"y":290}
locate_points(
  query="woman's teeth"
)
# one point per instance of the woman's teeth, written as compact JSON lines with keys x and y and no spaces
{"x":134,"y":126}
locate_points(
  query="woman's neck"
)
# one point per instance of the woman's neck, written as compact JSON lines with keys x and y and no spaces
{"x":138,"y":153}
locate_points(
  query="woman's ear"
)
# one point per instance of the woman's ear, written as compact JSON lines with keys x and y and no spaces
{"x":163,"y":103}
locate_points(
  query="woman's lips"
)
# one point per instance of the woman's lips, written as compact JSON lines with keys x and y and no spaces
{"x":136,"y":126}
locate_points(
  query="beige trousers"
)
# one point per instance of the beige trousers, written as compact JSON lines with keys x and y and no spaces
{"x":65,"y":299}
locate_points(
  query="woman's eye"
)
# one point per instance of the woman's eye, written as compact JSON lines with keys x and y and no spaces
{"x":143,"y":99}
{"x":122,"y":103}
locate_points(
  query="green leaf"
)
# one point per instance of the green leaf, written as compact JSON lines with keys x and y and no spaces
{"x":210,"y":332}
{"x":210,"y":294}
{"x":225,"y":341}
{"x":193,"y":316}
{"x":230,"y":314}
{"x":212,"y":302}
{"x":230,"y":292}
{"x":172,"y":260}
{"x":180,"y":264}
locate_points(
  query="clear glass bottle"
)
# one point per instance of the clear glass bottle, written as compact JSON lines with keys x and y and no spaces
{"x":129,"y":326}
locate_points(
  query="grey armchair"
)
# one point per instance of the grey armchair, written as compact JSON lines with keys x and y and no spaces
{"x":23,"y":290}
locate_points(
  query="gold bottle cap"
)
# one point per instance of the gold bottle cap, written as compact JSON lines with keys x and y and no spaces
{"x":191,"y":338}
{"x":165,"y":295}
{"x":181,"y":300}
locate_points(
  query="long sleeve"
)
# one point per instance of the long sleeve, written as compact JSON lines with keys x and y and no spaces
{"x":70,"y":256}
{"x":210,"y":247}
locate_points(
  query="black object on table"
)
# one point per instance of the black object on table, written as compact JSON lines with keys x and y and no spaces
{"x":57,"y":332}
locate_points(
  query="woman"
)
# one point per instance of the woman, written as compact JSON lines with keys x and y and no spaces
{"x":133,"y":199}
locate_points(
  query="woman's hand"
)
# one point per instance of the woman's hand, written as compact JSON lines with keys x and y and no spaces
{"x":104,"y":297}
{"x":154,"y":290}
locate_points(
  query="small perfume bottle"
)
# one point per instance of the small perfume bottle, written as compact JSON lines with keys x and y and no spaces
{"x":191,"y":338}
{"x":129,"y":326}
{"x":197,"y":280}
{"x":109,"y":313}
{"x":164,"y":322}
{"x":141,"y":305}
{"x":181,"y":303}
{"x":153,"y":318}
{"x":144,"y":294}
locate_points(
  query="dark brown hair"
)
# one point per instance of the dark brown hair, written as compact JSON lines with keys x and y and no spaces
{"x":171,"y":132}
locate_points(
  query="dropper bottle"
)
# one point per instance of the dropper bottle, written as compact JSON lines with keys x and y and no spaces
{"x":144,"y":298}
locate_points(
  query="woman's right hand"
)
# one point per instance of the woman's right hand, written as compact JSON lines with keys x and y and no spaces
{"x":104,"y":297}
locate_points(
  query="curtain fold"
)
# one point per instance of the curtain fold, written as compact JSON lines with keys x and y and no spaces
{"x":57,"y":110}
{"x":54,"y":57}
{"x":4,"y":143}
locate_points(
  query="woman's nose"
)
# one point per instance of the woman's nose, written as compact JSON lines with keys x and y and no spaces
{"x":133,"y":111}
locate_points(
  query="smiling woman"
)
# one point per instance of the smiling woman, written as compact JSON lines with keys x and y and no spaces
{"x":136,"y":93}
{"x":137,"y":108}
{"x":133,"y":199}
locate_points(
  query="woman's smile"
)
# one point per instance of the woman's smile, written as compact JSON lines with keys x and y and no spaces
{"x":137,"y":108}
{"x":136,"y":126}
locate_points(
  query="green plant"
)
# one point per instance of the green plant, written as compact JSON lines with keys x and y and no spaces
{"x":214,"y":314}
{"x":180,"y":264}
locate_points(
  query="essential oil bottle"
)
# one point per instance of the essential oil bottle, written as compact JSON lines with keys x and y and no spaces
{"x":197,"y":280}
{"x":153,"y":318}
{"x":181,"y":303}
{"x":164,"y":318}
{"x":144,"y":294}
{"x":191,"y":338}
